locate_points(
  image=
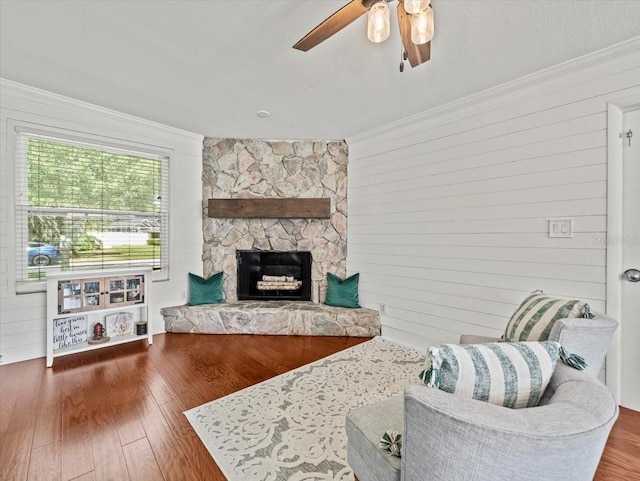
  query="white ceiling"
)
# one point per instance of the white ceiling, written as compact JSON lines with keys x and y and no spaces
{"x":208,"y":66}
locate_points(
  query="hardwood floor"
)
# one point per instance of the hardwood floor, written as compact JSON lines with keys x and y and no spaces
{"x":116,"y":413}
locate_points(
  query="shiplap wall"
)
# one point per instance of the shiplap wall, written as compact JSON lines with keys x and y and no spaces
{"x":449,"y":210}
{"x":22,"y":316}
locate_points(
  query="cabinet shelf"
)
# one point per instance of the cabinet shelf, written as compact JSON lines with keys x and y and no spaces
{"x":71,"y":318}
{"x":85,"y":346}
{"x":106,"y":310}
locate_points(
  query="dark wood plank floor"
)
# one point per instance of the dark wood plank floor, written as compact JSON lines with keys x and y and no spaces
{"x":116,"y":413}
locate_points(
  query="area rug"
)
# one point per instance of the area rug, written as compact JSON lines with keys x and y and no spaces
{"x":291,"y":427}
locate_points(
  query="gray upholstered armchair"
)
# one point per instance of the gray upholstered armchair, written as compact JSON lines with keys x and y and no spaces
{"x":589,"y":338}
{"x":449,"y":438}
{"x":446,"y":437}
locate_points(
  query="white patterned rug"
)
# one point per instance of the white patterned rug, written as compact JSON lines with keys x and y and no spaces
{"x":291,"y":427}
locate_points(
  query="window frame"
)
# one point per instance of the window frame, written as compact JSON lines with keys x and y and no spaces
{"x":19,"y":240}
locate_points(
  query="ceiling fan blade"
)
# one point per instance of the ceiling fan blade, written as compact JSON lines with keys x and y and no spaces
{"x":333,"y":24}
{"x":417,"y":54}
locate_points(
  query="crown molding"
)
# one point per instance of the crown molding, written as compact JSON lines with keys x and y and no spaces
{"x":7,"y":87}
{"x":583,"y":62}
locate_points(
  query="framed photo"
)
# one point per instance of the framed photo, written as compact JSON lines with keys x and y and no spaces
{"x":119,"y":324}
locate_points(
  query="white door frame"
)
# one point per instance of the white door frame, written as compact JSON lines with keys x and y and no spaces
{"x":615,"y":117}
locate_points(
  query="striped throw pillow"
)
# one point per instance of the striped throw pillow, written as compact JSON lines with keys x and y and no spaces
{"x":510,"y":374}
{"x":535,"y":317}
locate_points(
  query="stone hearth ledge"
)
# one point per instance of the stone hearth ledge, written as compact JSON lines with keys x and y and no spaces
{"x":272,"y":318}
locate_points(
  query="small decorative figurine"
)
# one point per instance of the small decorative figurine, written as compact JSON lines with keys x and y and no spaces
{"x":98,"y":331}
{"x":98,"y":334}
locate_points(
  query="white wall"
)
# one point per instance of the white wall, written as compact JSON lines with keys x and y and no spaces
{"x":448,"y":210}
{"x":22,"y":316}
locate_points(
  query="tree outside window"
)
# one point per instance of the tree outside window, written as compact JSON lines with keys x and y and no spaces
{"x":87,"y":206}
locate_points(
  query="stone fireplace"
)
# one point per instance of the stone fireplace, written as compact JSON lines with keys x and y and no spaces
{"x":236,"y":168}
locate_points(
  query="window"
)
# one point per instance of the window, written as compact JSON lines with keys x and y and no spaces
{"x":88,"y":205}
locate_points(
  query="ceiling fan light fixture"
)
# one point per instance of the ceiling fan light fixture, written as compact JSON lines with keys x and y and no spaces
{"x":379,"y":22}
{"x":422,"y":27}
{"x":379,"y":27}
{"x":413,"y":7}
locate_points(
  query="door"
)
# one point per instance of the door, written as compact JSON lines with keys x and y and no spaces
{"x":630,"y":313}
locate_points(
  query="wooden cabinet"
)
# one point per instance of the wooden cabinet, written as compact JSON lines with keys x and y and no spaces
{"x":86,"y":294}
{"x":118,"y":300}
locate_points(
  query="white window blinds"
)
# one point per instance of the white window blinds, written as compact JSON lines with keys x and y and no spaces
{"x":88,"y":206}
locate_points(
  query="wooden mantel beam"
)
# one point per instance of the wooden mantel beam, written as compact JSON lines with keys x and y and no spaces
{"x":294,"y":208}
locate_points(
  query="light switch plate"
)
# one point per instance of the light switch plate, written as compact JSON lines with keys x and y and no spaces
{"x":560,"y":227}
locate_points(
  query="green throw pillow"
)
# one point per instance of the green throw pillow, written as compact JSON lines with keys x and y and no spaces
{"x":537,"y":314}
{"x":510,"y":374}
{"x":342,"y":293}
{"x":205,"y":291}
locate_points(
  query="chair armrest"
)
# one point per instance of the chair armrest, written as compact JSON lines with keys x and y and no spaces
{"x":455,"y":438}
{"x":589,"y":338}
{"x":472,"y":339}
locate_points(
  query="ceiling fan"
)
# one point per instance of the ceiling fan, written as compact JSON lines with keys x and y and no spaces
{"x":415,"y":19}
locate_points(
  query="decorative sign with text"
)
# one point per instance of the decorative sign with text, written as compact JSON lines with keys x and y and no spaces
{"x":69,"y":331}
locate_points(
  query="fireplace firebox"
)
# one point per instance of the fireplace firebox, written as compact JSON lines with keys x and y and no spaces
{"x":269,"y":275}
